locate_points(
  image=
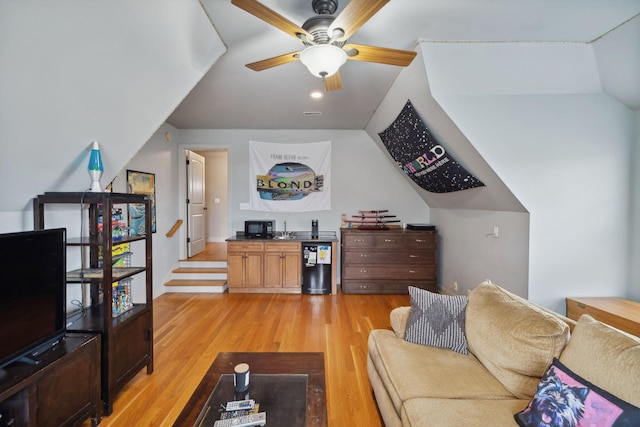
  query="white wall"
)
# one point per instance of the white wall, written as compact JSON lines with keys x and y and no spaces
{"x":470,"y":252}
{"x":160,"y":157}
{"x":536,"y":113}
{"x":634,"y":261}
{"x":463,"y":218}
{"x":73,"y":72}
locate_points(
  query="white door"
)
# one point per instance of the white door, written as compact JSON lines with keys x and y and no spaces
{"x":196,"y":208}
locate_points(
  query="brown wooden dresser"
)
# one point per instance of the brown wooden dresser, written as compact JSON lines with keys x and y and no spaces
{"x":388,"y":261}
{"x":620,"y":313}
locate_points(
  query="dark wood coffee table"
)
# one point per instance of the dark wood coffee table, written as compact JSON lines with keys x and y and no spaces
{"x":310,"y":365}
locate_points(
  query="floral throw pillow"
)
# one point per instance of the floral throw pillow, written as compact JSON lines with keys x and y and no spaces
{"x":437,"y":320}
{"x":564,"y":399}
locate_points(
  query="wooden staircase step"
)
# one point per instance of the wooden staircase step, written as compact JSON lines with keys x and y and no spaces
{"x":199,"y":270}
{"x":181,"y":282}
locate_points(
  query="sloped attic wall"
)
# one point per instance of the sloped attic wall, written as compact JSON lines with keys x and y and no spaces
{"x":73,"y":72}
{"x":536,"y":112}
{"x":470,"y":214}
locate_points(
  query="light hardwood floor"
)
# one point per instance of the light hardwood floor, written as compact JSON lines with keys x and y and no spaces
{"x":190,"y":330}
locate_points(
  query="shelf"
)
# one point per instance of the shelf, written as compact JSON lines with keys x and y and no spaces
{"x":99,"y":241}
{"x":88,"y":197}
{"x":95,"y":274}
{"x":92,"y":320}
{"x":127,"y":338}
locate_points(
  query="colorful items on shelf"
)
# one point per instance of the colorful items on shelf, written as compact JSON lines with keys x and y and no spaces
{"x":121,"y":297}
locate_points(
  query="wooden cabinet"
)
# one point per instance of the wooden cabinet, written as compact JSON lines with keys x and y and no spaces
{"x":244,"y":265}
{"x":62,"y":390}
{"x":620,"y":313}
{"x":282,"y":264}
{"x":127,"y":338}
{"x":263,"y":266}
{"x":388,"y":261}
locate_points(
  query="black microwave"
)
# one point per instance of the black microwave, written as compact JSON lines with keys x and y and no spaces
{"x":260,"y":229}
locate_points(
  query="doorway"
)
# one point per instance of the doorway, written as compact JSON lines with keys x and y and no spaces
{"x":216,"y":220}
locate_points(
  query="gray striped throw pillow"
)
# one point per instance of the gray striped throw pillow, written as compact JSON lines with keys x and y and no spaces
{"x":437,"y":320}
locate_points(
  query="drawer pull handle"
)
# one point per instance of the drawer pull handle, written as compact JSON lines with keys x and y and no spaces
{"x":420,"y":241}
{"x":364,"y":271}
{"x":358,"y":240}
{"x":364,"y":255}
{"x":412,"y":271}
{"x":414,"y":256}
{"x":390,"y":240}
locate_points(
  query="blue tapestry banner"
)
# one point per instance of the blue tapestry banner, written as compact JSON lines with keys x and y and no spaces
{"x":424,"y":159}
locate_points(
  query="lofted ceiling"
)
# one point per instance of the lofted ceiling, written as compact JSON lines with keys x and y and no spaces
{"x":231,"y":96}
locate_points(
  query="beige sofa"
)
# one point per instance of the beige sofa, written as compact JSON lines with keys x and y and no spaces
{"x":511,"y":344}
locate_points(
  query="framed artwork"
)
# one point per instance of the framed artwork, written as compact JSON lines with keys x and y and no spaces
{"x":141,"y":183}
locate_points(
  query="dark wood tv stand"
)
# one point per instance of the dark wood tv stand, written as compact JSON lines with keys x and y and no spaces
{"x":62,"y":390}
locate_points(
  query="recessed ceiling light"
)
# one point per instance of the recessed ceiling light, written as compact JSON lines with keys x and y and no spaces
{"x":316,"y":94}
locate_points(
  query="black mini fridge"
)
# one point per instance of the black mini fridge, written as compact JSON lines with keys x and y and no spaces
{"x":316,"y":267}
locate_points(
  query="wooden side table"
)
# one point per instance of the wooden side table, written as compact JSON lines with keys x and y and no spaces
{"x":620,"y":313}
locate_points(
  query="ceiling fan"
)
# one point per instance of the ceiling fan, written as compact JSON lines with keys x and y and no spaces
{"x":325,"y":38}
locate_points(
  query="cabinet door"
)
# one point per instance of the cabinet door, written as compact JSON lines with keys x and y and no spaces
{"x":68,"y":392}
{"x":130,"y":345}
{"x":273,"y":270}
{"x":291,"y":270}
{"x":235,"y":270}
{"x":253,"y":270}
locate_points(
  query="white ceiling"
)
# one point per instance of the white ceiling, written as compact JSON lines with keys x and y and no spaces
{"x":230,"y":96}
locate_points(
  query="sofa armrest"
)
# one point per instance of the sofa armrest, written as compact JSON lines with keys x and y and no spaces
{"x":399,"y":317}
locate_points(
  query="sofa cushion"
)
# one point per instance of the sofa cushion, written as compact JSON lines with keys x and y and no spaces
{"x":410,"y":370}
{"x":437,"y":320}
{"x":606,"y":357}
{"x":564,"y":398}
{"x":514,"y":339}
{"x":398,"y":318}
{"x":461,"y":412}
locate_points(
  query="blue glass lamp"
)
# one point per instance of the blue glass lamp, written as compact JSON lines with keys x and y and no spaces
{"x":95,"y":168}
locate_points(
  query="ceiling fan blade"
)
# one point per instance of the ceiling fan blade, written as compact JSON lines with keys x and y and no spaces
{"x":333,"y":82}
{"x":381,"y":55}
{"x":354,"y":15}
{"x":261,"y":11}
{"x":274,"y":62}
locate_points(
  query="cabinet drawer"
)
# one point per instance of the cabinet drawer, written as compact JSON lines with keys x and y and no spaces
{"x":384,"y":287}
{"x":282,"y":247}
{"x":418,"y":257}
{"x":245,"y":246}
{"x":389,"y":240}
{"x":421,"y":240}
{"x":357,"y":240}
{"x":390,"y":272}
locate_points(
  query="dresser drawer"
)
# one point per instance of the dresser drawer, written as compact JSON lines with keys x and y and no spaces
{"x":390,"y":272}
{"x":385,"y":286}
{"x":421,"y":240}
{"x":417,"y":257}
{"x":391,"y":240}
{"x":357,"y":240}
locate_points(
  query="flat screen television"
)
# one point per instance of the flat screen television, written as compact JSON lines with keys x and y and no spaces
{"x":33,"y":271}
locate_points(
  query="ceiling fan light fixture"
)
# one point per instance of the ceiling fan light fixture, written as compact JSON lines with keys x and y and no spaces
{"x":323,"y":60}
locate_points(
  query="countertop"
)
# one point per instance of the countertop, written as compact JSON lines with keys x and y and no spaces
{"x":295,"y":236}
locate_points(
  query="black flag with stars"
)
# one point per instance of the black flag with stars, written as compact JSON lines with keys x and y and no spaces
{"x":422,"y":158}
